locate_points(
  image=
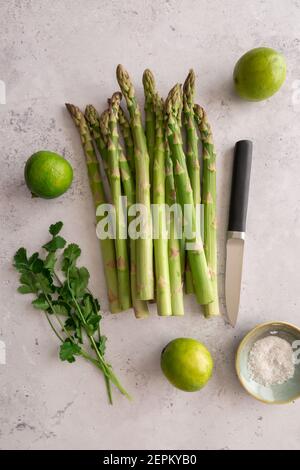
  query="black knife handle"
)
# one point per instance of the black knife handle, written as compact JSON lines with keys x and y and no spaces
{"x":240,"y":186}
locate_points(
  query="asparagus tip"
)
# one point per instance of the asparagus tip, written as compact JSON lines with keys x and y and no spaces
{"x":91,"y":114}
{"x":149,"y":83}
{"x":120,"y":69}
{"x":122,"y":74}
{"x":115,"y":99}
{"x":73,"y":110}
{"x":189,"y":83}
{"x":103,"y":121}
{"x":174,"y":99}
{"x":125,"y":83}
{"x":199,"y":112}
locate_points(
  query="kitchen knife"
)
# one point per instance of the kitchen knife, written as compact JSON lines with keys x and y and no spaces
{"x":237,"y":227}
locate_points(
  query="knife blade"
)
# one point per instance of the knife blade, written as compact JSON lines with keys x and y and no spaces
{"x":237,"y":227}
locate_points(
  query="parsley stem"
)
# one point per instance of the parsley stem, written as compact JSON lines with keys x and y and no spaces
{"x":53,"y":328}
{"x":57,"y":278}
{"x":108,"y":388}
{"x":99,"y":366}
{"x":106,"y":369}
{"x":57,"y":317}
{"x":99,"y":363}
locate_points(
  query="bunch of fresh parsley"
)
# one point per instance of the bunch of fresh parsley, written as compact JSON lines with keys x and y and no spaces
{"x":61,"y":292}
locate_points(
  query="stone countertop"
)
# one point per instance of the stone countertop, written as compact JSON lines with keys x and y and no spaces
{"x":57,"y":51}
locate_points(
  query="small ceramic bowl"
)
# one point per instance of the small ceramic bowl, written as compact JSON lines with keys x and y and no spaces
{"x":275,"y":394}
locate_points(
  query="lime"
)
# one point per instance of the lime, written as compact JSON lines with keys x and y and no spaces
{"x":48,"y":174}
{"x":187,"y":364}
{"x":259,"y":74}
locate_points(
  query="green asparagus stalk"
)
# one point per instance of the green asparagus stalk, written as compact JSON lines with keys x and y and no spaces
{"x":149,"y":91}
{"x":104,"y":126}
{"x":124,"y":161}
{"x":196,"y":256}
{"x":140,"y":306}
{"x":93,"y":120}
{"x":192,"y":158}
{"x":173,"y":241}
{"x":127,"y":136}
{"x":115,"y":181}
{"x":189,"y":286}
{"x":107,"y":245}
{"x":100,"y":135}
{"x":144,"y":248}
{"x":209,"y":201}
{"x":162,"y":275}
{"x":104,"y":132}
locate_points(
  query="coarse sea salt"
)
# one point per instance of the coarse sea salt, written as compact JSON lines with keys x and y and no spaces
{"x":270,"y":361}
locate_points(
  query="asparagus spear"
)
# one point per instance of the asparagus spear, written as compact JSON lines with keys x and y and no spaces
{"x":145,"y":279}
{"x":107,"y":245}
{"x":191,"y":154}
{"x":196,"y":256}
{"x":140,"y":306}
{"x":192,"y":159}
{"x":149,"y":91}
{"x":127,"y":136}
{"x":104,"y":132}
{"x":121,"y":229}
{"x":124,"y":164}
{"x":104,"y":126}
{"x":93,"y":120}
{"x":188,"y":278}
{"x":209,"y":201}
{"x":100,"y":136}
{"x":162,"y":275}
{"x":173,"y":241}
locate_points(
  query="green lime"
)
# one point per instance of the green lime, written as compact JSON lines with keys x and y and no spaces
{"x":187,"y":364}
{"x":259,"y":74}
{"x":47,"y":174}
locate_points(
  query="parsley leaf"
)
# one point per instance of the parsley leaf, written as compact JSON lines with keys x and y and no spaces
{"x":70,"y":256}
{"x":41,"y":302}
{"x":29,"y":284}
{"x":87,"y":306}
{"x":79,"y":279}
{"x":93,"y":322}
{"x":60,"y":308}
{"x":54,"y":229}
{"x":24,"y":289}
{"x":44,"y":282}
{"x":68,"y":351}
{"x":50,"y":261}
{"x":20,"y":260}
{"x":55,"y":244}
{"x":101,"y":344}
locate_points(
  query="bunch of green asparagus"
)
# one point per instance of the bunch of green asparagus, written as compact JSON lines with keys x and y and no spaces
{"x":156,"y":166}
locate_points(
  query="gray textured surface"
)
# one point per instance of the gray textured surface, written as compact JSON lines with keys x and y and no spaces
{"x":53,"y":51}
